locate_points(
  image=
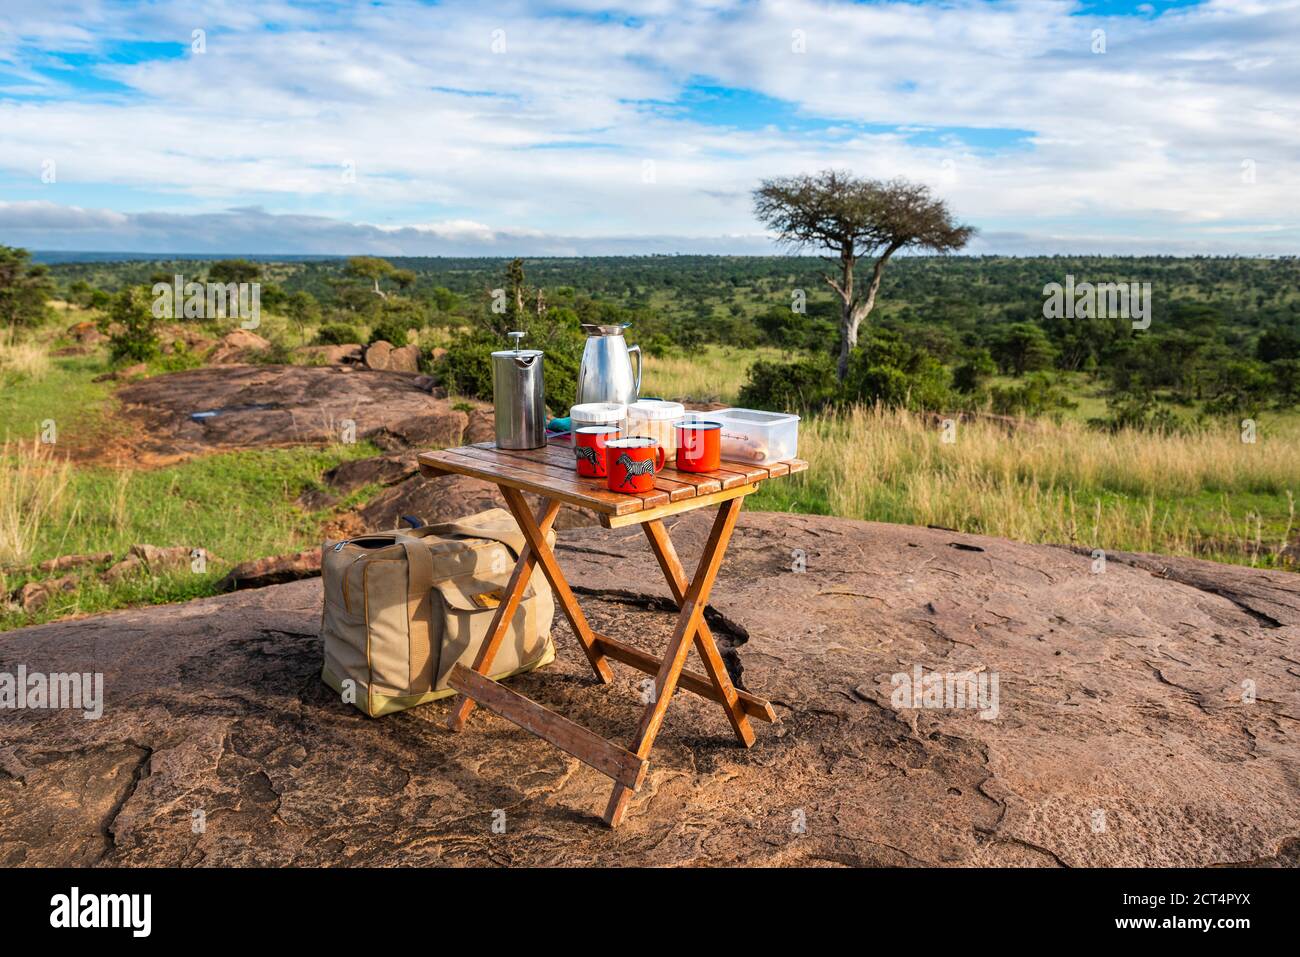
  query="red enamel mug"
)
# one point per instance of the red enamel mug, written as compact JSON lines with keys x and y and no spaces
{"x":631,"y":463}
{"x":589,"y":448}
{"x":699,"y":445}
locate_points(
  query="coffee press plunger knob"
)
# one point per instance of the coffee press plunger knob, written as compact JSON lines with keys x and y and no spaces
{"x":516,"y":336}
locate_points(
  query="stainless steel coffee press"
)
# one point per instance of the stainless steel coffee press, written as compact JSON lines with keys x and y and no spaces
{"x":519,"y":397}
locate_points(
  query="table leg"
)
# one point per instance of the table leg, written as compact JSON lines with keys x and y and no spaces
{"x":505,"y":612}
{"x":689,"y":620}
{"x":705,"y":644}
{"x":551,"y":568}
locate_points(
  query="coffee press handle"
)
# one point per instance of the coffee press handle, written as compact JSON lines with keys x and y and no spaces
{"x":637,"y":349}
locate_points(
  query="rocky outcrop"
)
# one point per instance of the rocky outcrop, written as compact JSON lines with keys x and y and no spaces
{"x":74,"y":561}
{"x":153,"y":560}
{"x":330,"y":355}
{"x":86,"y":333}
{"x":1145,"y":715}
{"x":139,"y":560}
{"x":134,"y":371}
{"x":384,"y":355}
{"x":237,"y":346}
{"x":234,"y":407}
{"x":33,"y":596}
{"x":276,"y":570}
{"x":180,"y":337}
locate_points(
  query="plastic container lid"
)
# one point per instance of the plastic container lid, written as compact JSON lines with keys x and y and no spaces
{"x":656,"y":409}
{"x":598,"y":412}
{"x":757,"y":416}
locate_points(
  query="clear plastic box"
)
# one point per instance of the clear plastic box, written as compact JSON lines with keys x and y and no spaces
{"x":751,"y":435}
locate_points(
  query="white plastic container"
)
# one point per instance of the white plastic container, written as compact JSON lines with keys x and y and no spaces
{"x":598,"y":413}
{"x":655,"y":418}
{"x":753,"y":436}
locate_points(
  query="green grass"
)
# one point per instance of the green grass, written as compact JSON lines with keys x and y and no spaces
{"x":65,"y":394}
{"x":236,"y":506}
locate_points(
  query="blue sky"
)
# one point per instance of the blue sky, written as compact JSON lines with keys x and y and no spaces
{"x":589,"y":127}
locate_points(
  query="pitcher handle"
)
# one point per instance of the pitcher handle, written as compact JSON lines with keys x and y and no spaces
{"x":637,"y":350}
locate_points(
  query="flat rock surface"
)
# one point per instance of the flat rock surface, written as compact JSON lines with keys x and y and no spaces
{"x":257,"y":406}
{"x":1146,"y":715}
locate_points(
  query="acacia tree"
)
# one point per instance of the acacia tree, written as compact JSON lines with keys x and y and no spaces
{"x":229,"y":270}
{"x":372,"y":268}
{"x":854,"y":219}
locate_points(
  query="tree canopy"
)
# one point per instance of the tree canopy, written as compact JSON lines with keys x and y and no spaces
{"x":850,"y":218}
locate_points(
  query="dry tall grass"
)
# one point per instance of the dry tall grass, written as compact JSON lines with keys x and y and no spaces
{"x":33,"y":492}
{"x":1046,"y":482}
{"x":709,"y":373}
{"x":23,"y":359}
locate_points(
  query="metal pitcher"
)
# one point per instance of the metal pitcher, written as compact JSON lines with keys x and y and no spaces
{"x":519,"y":397}
{"x":605,"y":374}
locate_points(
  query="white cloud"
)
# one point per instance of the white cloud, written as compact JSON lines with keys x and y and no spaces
{"x":1141,"y":143}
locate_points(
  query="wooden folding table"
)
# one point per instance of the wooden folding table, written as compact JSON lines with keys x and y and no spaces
{"x":549,"y":472}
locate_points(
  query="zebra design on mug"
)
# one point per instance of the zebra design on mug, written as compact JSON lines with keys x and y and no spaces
{"x":633,"y":468}
{"x":588,"y":455}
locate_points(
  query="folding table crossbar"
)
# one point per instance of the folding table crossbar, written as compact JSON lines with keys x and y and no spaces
{"x":549,"y":472}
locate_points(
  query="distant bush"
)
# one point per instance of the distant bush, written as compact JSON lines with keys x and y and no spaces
{"x":802,"y":385}
{"x":888,"y":369}
{"x":1241,"y":386}
{"x":467,"y":368}
{"x":1037,"y":395}
{"x":131,"y":327}
{"x":276,"y":354}
{"x":182,"y":357}
{"x":1286,"y":381}
{"x":658,"y":345}
{"x":444,"y":300}
{"x":972,"y":372}
{"x":885,"y":369}
{"x":24,"y":288}
{"x":338,"y":334}
{"x":1139,"y":413}
{"x":810,"y":329}
{"x":390,"y":330}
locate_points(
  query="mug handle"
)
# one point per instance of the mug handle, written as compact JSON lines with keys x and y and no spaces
{"x":661,"y":458}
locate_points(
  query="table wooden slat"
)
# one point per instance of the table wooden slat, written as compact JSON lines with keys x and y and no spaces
{"x":550,"y":471}
{"x":558,"y":456}
{"x":526,"y":460}
{"x":587,"y":746}
{"x":566,"y":490}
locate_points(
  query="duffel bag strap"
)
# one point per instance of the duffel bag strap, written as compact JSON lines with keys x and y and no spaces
{"x":513,"y":540}
{"x":419,"y":606}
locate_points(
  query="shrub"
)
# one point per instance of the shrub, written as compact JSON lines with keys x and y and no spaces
{"x":390,"y":329}
{"x":338,"y":334}
{"x":1139,"y":413}
{"x":804,"y":385}
{"x":24,"y":287}
{"x":467,"y":369}
{"x":131,"y":327}
{"x":1036,"y":396}
{"x":1242,"y":386}
{"x":180,"y":359}
{"x":885,"y":369}
{"x":889,"y":370}
{"x":971,"y":374}
{"x":277,"y":354}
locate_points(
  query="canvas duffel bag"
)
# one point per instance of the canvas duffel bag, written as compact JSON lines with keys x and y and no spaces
{"x":401,"y":608}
